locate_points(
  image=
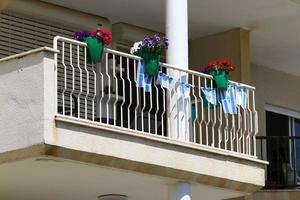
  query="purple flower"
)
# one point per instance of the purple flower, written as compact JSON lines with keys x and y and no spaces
{"x":155,"y":39}
{"x":80,"y":35}
{"x":149,"y":42}
{"x":205,"y":70}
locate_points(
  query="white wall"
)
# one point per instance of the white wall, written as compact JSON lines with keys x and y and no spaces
{"x":23,"y":92}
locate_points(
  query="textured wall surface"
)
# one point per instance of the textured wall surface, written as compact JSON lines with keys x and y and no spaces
{"x":233,"y":44}
{"x":22,"y":100}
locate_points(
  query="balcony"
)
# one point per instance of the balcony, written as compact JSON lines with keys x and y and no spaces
{"x":284,"y":165}
{"x":107,"y":95}
{"x":96,"y":114}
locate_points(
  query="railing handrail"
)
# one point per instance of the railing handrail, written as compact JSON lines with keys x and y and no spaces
{"x":139,"y":58}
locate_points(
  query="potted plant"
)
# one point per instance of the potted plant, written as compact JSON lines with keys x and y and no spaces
{"x":219,"y":70}
{"x":96,"y":40}
{"x":150,"y":50}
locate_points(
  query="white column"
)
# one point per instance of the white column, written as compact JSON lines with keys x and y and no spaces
{"x":177,"y":54}
{"x":180,"y":191}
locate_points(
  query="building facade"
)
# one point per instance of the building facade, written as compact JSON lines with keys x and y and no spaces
{"x":73,"y":130}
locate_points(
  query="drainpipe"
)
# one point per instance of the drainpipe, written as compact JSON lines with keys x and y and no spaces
{"x":177,"y":55}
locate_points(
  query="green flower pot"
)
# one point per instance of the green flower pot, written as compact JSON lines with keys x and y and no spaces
{"x":151,"y":61}
{"x":94,"y":50}
{"x":220,"y":79}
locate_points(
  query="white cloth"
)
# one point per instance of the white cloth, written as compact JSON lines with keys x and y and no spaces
{"x":242,"y":97}
{"x":228,"y":100}
{"x":210,"y":95}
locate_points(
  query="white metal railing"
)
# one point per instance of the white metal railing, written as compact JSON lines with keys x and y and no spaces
{"x":107,"y":93}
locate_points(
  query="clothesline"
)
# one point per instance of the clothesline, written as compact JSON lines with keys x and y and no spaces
{"x":230,"y":98}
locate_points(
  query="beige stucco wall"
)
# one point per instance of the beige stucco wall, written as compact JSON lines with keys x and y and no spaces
{"x":274,"y":88}
{"x":233,"y":44}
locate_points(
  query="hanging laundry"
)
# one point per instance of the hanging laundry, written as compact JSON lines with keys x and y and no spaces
{"x":185,"y":89}
{"x":164,"y":80}
{"x":210,"y":95}
{"x":242,"y":97}
{"x":148,"y":81}
{"x":228,"y":100}
{"x":141,"y":74}
{"x":143,"y":79}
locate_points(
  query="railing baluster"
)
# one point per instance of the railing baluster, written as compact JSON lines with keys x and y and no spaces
{"x":195,"y":103}
{"x":197,"y":107}
{"x":220,"y":133}
{"x":202,"y":114}
{"x":255,"y":124}
{"x":130,"y":93}
{"x":108,"y":88}
{"x":73,"y":80}
{"x":65,"y":78}
{"x":157,"y":104}
{"x":101,"y":93}
{"x":94,"y":93}
{"x":123,"y":90}
{"x":116,"y":88}
{"x":87,"y":84}
{"x":80,"y":82}
{"x":149,"y":111}
{"x":137,"y":96}
{"x":213,"y":125}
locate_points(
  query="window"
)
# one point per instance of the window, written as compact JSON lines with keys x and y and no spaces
{"x":283,"y":149}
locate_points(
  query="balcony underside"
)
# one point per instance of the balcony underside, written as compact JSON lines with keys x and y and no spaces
{"x":49,"y":177}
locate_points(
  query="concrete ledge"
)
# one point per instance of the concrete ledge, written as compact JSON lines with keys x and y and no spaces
{"x":26,"y":53}
{"x":157,"y":138}
{"x":129,"y":152}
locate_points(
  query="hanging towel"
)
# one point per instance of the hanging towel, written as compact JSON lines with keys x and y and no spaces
{"x":185,"y":89}
{"x":140,"y":74}
{"x":148,"y":81}
{"x":228,"y":100}
{"x":164,"y":80}
{"x":242,"y":97}
{"x":210,"y":95}
{"x":143,"y":79}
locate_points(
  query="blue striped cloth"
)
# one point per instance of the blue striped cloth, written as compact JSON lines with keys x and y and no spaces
{"x":228,"y":100}
{"x":185,"y":89}
{"x":143,"y":79}
{"x":164,"y":80}
{"x":242,"y":97}
{"x":210,"y":95}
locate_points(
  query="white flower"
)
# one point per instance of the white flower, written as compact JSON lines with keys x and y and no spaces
{"x":132,"y":50}
{"x":136,"y":47}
